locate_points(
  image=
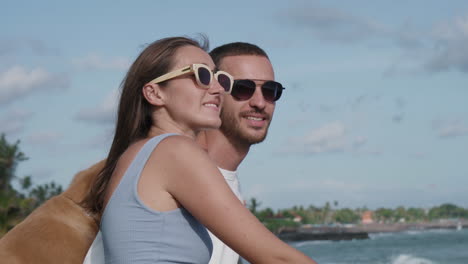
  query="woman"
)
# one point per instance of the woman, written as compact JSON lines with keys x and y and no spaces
{"x":159,"y":189}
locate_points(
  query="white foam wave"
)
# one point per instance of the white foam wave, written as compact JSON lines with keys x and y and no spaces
{"x":310,"y":242}
{"x":442,"y":231}
{"x":428,"y":231}
{"x":415,"y":232}
{"x":408,"y":259}
{"x":380,"y":235}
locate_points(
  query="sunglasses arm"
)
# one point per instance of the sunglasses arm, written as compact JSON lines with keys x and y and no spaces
{"x":172,"y":74}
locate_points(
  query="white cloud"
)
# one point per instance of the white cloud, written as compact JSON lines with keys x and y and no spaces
{"x":450,"y":129}
{"x":97,"y":62}
{"x":13,"y":121}
{"x":440,"y":48}
{"x":18,"y":82}
{"x":330,"y":137}
{"x":332,"y":24}
{"x":9,"y":46}
{"x":450,"y":50}
{"x":104,"y":113}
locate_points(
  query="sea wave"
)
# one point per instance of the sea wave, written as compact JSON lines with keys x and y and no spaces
{"x":443,"y":231}
{"x":411,"y":232}
{"x":409,"y":259}
{"x":428,"y":231}
{"x":380,"y":235}
{"x":310,"y":242}
{"x":415,"y":232}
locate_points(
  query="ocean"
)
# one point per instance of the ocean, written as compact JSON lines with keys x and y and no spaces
{"x":437,"y":246}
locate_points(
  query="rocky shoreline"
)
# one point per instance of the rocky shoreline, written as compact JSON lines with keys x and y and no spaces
{"x":361,"y":231}
{"x":334,"y":234}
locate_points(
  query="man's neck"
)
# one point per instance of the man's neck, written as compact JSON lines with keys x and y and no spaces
{"x":222,"y":150}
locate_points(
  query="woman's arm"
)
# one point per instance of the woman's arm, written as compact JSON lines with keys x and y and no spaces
{"x":196,"y":183}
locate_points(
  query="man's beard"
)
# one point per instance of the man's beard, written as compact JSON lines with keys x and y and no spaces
{"x":232,"y":130}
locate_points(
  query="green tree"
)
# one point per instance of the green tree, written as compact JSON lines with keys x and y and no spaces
{"x":326,"y":212}
{"x":15,"y":205}
{"x":265,"y":214}
{"x":313,"y":215}
{"x":286,"y":213}
{"x":10,"y":156}
{"x":446,"y":211}
{"x":346,"y":216}
{"x":416,"y":214}
{"x":335,"y":204}
{"x":384,"y":214}
{"x":253,"y":205}
{"x":42,"y":193}
{"x":400,"y":214}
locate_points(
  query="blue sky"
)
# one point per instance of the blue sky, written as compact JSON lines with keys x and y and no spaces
{"x":374,"y":113}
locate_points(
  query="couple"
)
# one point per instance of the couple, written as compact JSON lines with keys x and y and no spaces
{"x":160,"y":191}
{"x":170,"y":175}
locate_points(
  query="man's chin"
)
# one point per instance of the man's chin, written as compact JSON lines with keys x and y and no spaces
{"x":254,"y":137}
{"x":241,"y":133}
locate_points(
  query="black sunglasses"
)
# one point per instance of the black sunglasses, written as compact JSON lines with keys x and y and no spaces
{"x":244,"y":89}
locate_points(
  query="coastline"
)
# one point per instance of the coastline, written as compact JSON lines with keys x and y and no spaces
{"x":361,"y":231}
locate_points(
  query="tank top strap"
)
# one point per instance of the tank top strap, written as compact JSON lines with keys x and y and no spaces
{"x":127,"y":188}
{"x":143,"y":155}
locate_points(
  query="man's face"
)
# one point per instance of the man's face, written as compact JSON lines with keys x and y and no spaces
{"x":247,"y":121}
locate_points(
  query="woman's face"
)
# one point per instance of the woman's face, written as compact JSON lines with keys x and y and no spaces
{"x":190,"y":106}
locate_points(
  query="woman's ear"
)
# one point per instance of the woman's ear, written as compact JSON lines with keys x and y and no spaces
{"x":153,"y":94}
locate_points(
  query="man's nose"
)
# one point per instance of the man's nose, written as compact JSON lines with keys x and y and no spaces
{"x":257,"y":100}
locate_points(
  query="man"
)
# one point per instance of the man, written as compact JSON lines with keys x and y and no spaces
{"x":246,"y":116}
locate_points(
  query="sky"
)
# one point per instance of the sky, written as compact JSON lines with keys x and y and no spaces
{"x":374,"y":113}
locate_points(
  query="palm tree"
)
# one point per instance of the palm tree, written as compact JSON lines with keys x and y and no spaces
{"x":17,"y":204}
{"x":10,"y":156}
{"x":326,"y":211}
{"x":253,"y":205}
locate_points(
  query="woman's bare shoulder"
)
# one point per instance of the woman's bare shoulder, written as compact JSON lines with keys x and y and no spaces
{"x":180,"y":146}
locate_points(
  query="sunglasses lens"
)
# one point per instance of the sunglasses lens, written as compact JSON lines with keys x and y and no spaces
{"x":224,"y":81}
{"x":272,"y":90}
{"x":243,"y":89}
{"x":204,"y":75}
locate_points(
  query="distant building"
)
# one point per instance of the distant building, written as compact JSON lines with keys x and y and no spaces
{"x":296,"y":218}
{"x":366,"y":217}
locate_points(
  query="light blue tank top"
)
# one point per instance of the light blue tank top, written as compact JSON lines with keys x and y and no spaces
{"x":134,"y":233}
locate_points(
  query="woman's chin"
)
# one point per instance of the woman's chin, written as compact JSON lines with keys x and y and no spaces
{"x":212,"y":124}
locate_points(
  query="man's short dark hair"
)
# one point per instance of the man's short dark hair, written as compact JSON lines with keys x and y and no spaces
{"x":236,"y":49}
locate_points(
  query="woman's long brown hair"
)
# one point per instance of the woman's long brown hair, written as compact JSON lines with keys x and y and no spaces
{"x":134,"y":118}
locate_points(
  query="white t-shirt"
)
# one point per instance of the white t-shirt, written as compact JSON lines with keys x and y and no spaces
{"x":222,"y":254}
